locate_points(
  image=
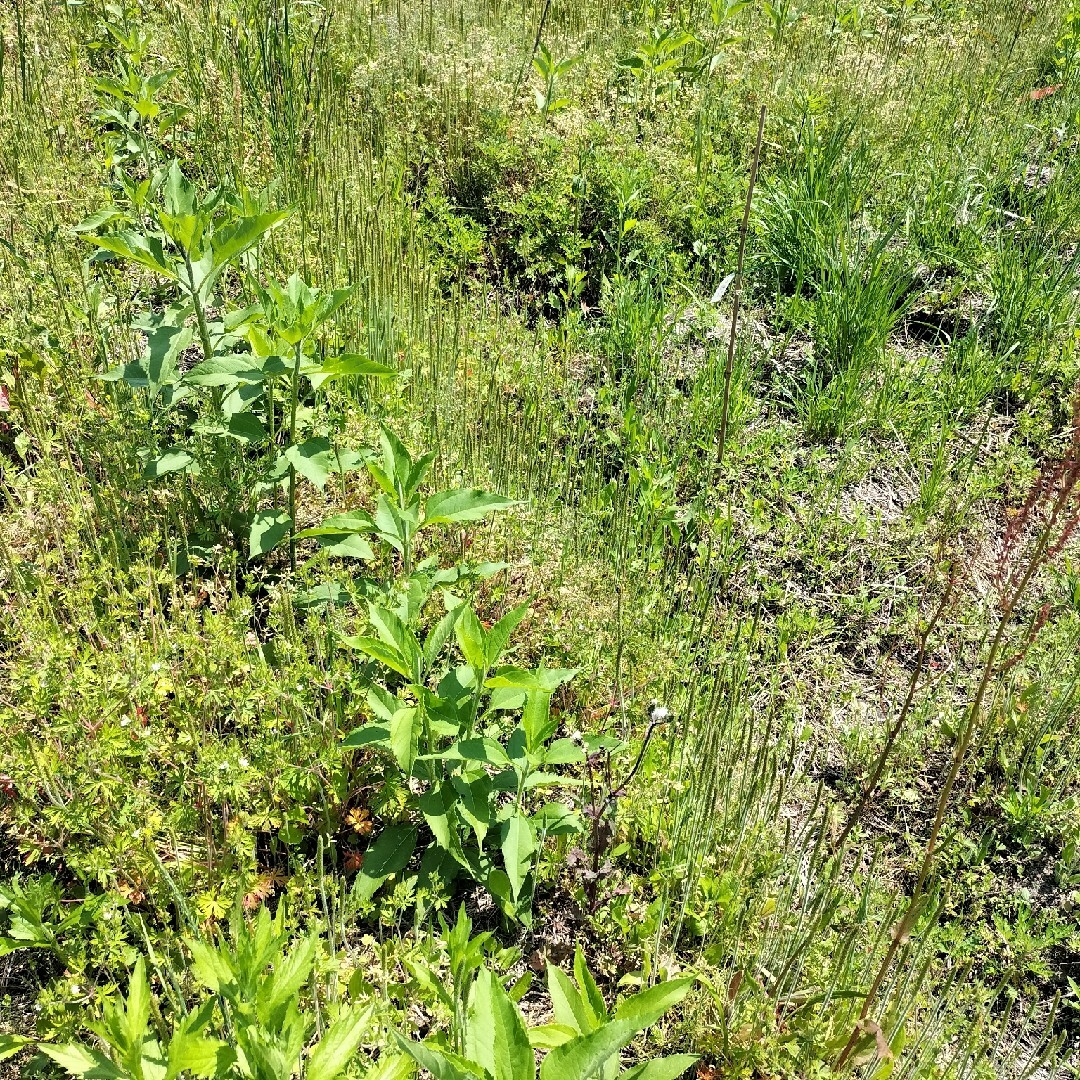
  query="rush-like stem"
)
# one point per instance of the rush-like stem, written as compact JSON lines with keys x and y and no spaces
{"x":730,"y":363}
{"x":295,"y":401}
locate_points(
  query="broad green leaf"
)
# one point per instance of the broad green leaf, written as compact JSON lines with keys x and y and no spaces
{"x":144,"y":250}
{"x":389,"y":854}
{"x":10,"y":1045}
{"x":463,"y":504}
{"x":665,"y":1068}
{"x":536,"y":720}
{"x":518,"y":848}
{"x":548,"y":1036}
{"x":284,"y":984}
{"x":246,"y":428}
{"x":393,"y":632}
{"x":439,"y":635}
{"x":391,"y":1067}
{"x":268,"y":529}
{"x":378,"y":650}
{"x":437,"y":806}
{"x":179,"y":191}
{"x":313,"y":459}
{"x":555,"y":819}
{"x":499,"y":635}
{"x":230,"y":370}
{"x":583,"y":1057}
{"x":495,"y":1036}
{"x":351,"y":364}
{"x":564,"y":752}
{"x":336,"y":1048}
{"x":404,"y":734}
{"x":590,"y":992}
{"x":470,"y":636}
{"x":646,"y":1008}
{"x":566,"y":1002}
{"x":137,"y":1014}
{"x":199,"y":1056}
{"x":175,"y":460}
{"x":234,"y":240}
{"x":211,"y":968}
{"x":83,"y":1061}
{"x":441,"y":1065}
{"x":132,"y":374}
{"x":368,"y":735}
{"x":475,"y":804}
{"x":476,"y":749}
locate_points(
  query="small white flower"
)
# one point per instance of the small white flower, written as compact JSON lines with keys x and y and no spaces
{"x":124,"y":721}
{"x":155,"y":666}
{"x":224,"y":766}
{"x":658,"y":713}
{"x":243,"y":762}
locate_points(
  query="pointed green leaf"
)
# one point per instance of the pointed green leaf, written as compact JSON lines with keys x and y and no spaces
{"x":495,"y":1036}
{"x":463,"y":504}
{"x":499,"y":635}
{"x":646,"y":1008}
{"x":665,"y":1068}
{"x":583,"y":1057}
{"x":566,"y":1002}
{"x":144,"y":250}
{"x":338,"y":1045}
{"x":83,"y":1061}
{"x":472,"y":639}
{"x":518,"y":848}
{"x":441,"y":1065}
{"x":10,"y":1045}
{"x":389,"y":854}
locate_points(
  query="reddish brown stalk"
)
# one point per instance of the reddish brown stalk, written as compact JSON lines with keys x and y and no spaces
{"x":1051,"y":505}
{"x":905,"y":710}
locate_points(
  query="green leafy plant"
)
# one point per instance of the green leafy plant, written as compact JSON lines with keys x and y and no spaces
{"x":585,"y":1041}
{"x":473,"y":780}
{"x":551,"y":71}
{"x":253,"y":1028}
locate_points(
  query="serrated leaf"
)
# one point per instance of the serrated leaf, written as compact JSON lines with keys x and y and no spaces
{"x":441,"y":1065}
{"x":471,"y":638}
{"x":10,"y":1045}
{"x":566,"y":1002}
{"x":145,"y":250}
{"x":83,"y":1061}
{"x":583,"y":1057}
{"x":352,"y":364}
{"x":495,"y":1036}
{"x":339,"y":1043}
{"x":665,"y":1068}
{"x":246,"y":428}
{"x":646,"y":1008}
{"x":518,"y":847}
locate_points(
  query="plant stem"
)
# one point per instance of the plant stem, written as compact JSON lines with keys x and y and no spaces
{"x":969,"y":729}
{"x":894,"y":732}
{"x":730,"y":364}
{"x":295,"y":401}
